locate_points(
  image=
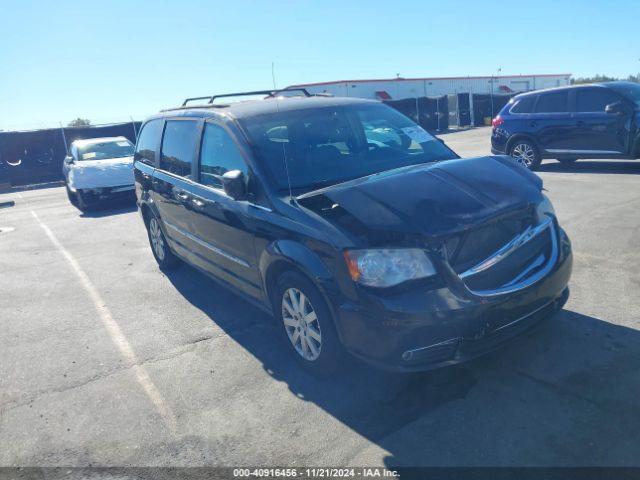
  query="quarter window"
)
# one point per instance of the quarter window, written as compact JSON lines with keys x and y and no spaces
{"x":524,"y":105}
{"x":178,"y":146}
{"x":148,"y":142}
{"x":555,"y":102}
{"x":594,"y":100}
{"x":219,"y":155}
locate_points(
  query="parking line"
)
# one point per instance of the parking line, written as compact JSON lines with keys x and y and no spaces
{"x":115,"y":332}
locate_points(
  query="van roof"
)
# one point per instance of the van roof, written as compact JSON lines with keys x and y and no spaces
{"x":251,"y":108}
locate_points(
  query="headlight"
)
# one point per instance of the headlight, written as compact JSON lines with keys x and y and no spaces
{"x":544,"y":209}
{"x":388,"y":267}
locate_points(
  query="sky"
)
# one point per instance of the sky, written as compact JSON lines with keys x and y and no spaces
{"x":109,"y":61}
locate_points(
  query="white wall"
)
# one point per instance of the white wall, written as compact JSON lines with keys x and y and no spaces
{"x":411,"y":88}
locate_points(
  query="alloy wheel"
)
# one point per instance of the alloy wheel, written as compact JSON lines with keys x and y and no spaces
{"x":524,"y":154}
{"x":157,"y":241}
{"x":301,"y":324}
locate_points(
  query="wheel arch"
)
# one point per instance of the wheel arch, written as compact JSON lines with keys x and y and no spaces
{"x":285,"y":255}
{"x":522,"y":136}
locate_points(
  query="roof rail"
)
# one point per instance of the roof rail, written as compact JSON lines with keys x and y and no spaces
{"x":268,"y":93}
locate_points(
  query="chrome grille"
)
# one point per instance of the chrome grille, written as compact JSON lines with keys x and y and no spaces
{"x":521,"y":261}
{"x":468,"y":249}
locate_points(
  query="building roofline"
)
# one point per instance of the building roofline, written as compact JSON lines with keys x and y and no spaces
{"x":401,"y":79}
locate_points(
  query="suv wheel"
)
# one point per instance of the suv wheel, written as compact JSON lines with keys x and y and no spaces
{"x":306,"y":323}
{"x":526,"y":154}
{"x":161,"y":251}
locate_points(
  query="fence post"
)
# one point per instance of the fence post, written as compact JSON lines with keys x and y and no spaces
{"x":472,"y":113}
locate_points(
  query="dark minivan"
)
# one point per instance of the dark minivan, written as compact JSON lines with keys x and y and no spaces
{"x":568,"y":123}
{"x":353,"y":226}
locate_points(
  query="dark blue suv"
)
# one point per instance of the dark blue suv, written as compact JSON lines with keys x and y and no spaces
{"x":568,"y":123}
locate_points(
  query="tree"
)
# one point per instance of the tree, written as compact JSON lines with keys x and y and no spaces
{"x":602,"y":78}
{"x":79,"y":122}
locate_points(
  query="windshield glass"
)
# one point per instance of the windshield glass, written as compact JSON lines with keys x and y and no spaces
{"x":325,"y":146}
{"x":629,"y":90}
{"x":105,"y":150}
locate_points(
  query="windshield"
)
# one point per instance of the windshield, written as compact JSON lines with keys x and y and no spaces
{"x":629,"y":90}
{"x":325,"y":146}
{"x":105,"y":150}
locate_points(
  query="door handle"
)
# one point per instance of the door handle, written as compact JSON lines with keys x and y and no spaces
{"x":580,"y":123}
{"x":182,"y":196}
{"x":533,"y":124}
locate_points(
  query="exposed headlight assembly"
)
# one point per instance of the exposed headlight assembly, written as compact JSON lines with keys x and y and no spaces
{"x":387,"y":267}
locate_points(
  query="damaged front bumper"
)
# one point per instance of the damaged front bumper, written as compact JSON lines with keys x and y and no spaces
{"x":417,"y":330}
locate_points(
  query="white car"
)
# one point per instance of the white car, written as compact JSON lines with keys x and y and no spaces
{"x":98,"y":169}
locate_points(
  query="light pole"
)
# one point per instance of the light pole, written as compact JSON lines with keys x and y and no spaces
{"x":492,"y":81}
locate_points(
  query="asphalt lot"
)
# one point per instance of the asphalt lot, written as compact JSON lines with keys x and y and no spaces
{"x":106,"y":361}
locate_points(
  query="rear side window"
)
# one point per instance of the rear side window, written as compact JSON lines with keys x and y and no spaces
{"x":594,"y":99}
{"x":178,"y":146}
{"x":219,"y":155}
{"x":524,"y":105}
{"x":555,"y":102}
{"x":148,"y":142}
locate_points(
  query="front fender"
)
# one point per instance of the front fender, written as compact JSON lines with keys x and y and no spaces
{"x":296,"y":254}
{"x":280,"y":254}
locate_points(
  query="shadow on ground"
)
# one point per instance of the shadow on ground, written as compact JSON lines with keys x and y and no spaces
{"x":592,"y":166}
{"x":564,"y":394}
{"x":117,"y":207}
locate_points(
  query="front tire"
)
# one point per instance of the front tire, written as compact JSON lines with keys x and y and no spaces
{"x":71,"y":196}
{"x":526,"y":154}
{"x":306,"y":323}
{"x":162,"y":253}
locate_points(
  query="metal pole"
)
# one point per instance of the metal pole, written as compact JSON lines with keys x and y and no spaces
{"x":418,"y":112}
{"x":64,"y":137}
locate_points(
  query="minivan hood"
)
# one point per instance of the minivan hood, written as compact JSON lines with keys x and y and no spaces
{"x":433,"y":200}
{"x":113,"y":172}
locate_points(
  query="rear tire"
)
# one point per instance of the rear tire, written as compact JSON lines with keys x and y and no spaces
{"x":166,"y":259}
{"x":306,"y":323}
{"x":525,"y":153}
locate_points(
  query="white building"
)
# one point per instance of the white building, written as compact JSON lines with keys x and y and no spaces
{"x":398,"y":88}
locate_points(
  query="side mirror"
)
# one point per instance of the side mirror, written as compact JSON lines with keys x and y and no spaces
{"x":614,"y":108}
{"x":234,"y":184}
{"x":68,"y":159}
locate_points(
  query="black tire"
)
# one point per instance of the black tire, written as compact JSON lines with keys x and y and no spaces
{"x":81,"y":202}
{"x":525,"y":153}
{"x":329,"y":349}
{"x":71,"y":196}
{"x":166,"y":259}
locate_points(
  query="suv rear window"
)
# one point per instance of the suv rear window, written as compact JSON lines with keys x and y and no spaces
{"x":554,"y":102}
{"x":148,"y":142}
{"x":524,"y":105}
{"x":178,"y":146}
